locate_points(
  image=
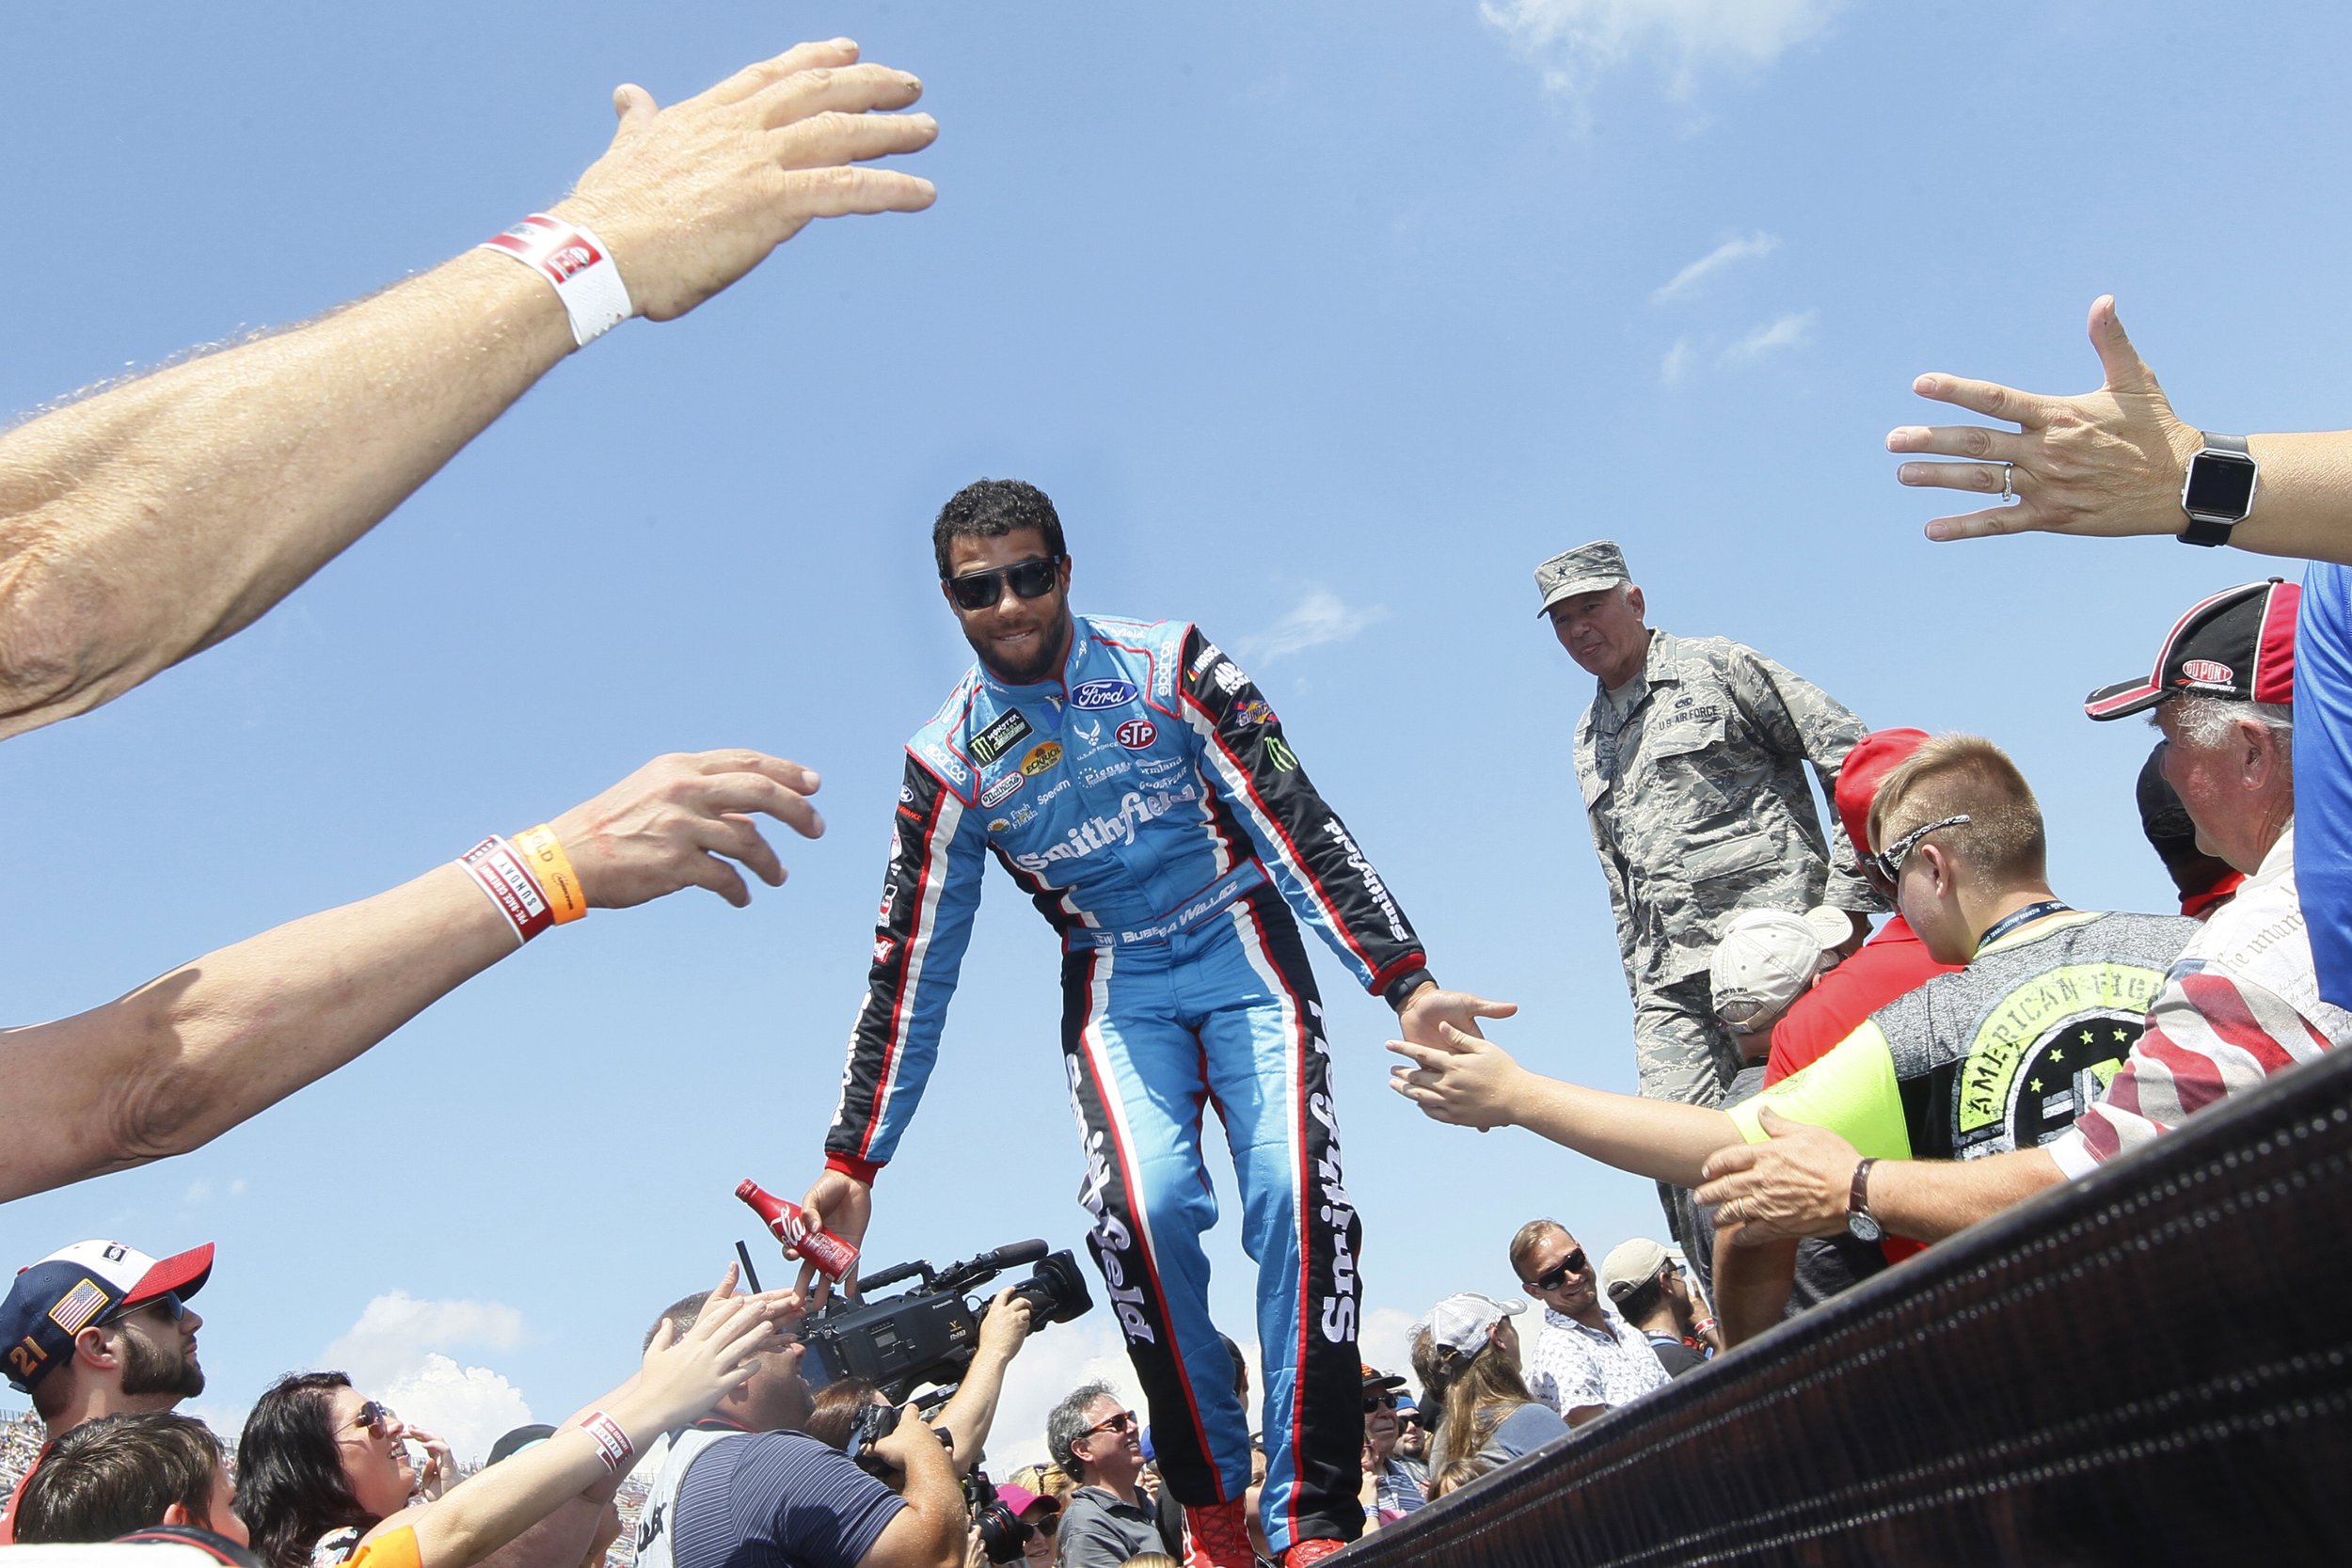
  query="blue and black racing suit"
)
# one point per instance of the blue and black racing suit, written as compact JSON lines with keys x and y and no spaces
{"x":1146,"y":801}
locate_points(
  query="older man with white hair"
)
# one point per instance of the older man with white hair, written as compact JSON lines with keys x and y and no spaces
{"x":2241,"y":1003}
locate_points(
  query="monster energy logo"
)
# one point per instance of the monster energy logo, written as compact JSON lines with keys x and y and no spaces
{"x":1280,"y":756}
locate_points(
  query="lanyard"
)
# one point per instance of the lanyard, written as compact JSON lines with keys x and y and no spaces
{"x":2015,"y":918}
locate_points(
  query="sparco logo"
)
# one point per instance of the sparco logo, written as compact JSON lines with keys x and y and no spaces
{"x":946,"y":763}
{"x":1114,"y":1244}
{"x":1102,"y":694}
{"x":1373,"y":884}
{"x":1135,"y":809}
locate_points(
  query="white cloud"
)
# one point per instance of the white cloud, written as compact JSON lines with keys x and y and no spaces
{"x":1578,"y":40}
{"x":1320,"y":617}
{"x":1793,"y":329}
{"x":398,"y":1352}
{"x":200,"y":1191}
{"x":1726,"y":254}
{"x":1677,"y":364}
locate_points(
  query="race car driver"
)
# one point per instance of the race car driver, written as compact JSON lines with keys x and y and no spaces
{"x":1136,"y":785}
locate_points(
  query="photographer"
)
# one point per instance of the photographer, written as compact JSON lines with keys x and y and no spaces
{"x":746,"y":1486}
{"x":962,"y":1423}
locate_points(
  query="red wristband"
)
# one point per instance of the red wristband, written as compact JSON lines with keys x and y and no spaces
{"x":613,"y":1443}
{"x":501,"y":873}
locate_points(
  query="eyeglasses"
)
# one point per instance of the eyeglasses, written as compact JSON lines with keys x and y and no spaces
{"x":1573,"y":1263}
{"x":169,"y":1304}
{"x":1379,"y":1401}
{"x":1888,"y":862}
{"x":1123,"y":1422}
{"x":1046,"y":1524}
{"x":377,"y":1418}
{"x":1031,"y":579}
{"x":1411,"y":1418}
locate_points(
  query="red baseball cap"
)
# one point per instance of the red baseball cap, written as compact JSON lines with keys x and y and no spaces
{"x":1866,"y":768}
{"x":2239,"y":644}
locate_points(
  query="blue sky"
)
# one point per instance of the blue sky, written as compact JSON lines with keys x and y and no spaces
{"x":1322,"y":325}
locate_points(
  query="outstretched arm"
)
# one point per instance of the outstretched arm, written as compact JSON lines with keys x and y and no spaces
{"x":187,"y":1057}
{"x":2112,"y":462}
{"x":150,"y":522}
{"x":1474,"y":1083}
{"x":1800,"y":1182}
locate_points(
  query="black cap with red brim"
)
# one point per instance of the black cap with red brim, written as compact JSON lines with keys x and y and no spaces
{"x":2239,"y":646}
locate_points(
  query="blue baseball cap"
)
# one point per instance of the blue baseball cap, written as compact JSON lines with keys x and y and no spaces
{"x":52,"y":1301}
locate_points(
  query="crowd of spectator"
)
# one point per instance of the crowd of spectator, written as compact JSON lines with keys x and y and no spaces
{"x":1822,"y":1093}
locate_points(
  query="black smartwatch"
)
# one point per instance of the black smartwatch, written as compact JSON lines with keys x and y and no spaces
{"x":2219,"y":490}
{"x":1861,"y":1224}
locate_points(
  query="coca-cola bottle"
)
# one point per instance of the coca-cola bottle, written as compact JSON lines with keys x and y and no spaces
{"x":830,"y":1253}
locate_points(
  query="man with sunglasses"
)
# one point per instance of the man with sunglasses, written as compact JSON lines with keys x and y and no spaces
{"x":2001,"y":1055}
{"x":1110,"y":1517}
{"x":1395,"y":1484}
{"x":98,"y":1328}
{"x":1586,"y":1358}
{"x":1136,"y":785}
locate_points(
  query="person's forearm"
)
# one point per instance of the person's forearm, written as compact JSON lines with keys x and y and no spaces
{"x":1657,"y":1138}
{"x":559,"y":1541}
{"x":933,"y":1495}
{"x":2303,"y":501}
{"x":152,"y":520}
{"x":1752,"y":1285}
{"x":187,"y":1057}
{"x":1929,"y":1199}
{"x":972,"y":1411}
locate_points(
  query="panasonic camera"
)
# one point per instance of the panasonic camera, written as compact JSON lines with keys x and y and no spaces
{"x":927,"y":1334}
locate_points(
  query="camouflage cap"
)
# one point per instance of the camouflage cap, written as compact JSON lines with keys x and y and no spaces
{"x":1598,"y":565}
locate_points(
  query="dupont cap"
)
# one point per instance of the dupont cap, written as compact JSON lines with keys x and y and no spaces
{"x":2239,"y":643}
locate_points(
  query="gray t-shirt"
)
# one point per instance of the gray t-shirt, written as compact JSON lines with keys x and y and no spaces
{"x":1098,"y":1530}
{"x":1523,"y":1432}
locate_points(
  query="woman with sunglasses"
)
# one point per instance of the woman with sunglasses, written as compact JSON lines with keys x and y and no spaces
{"x":319,"y":1465}
{"x":296,"y":1482}
{"x":1466,"y":1355}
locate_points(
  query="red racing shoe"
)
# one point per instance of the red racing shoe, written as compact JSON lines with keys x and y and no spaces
{"x":1217,"y":1535}
{"x":1301,"y":1553}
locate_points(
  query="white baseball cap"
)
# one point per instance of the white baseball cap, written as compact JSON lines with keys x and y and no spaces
{"x":1460,"y":1323}
{"x":1767,"y":960}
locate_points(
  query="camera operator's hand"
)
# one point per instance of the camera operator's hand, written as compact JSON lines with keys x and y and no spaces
{"x":974,"y":1550}
{"x":967,"y":1417}
{"x":1006,"y":1328}
{"x":842,"y":1204}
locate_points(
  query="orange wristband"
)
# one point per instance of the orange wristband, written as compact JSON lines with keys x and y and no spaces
{"x":544,"y":855}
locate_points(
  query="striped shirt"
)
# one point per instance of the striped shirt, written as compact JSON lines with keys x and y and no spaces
{"x":2240,"y":1004}
{"x":777,"y":1498}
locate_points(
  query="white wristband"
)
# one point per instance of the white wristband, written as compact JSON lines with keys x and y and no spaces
{"x":576,"y":261}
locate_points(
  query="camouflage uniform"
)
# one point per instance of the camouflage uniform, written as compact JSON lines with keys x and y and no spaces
{"x":1694,"y":789}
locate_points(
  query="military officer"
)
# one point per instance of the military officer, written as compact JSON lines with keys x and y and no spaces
{"x":1691,"y":763}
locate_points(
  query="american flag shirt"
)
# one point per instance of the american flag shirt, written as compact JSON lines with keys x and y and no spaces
{"x":2241,"y":1003}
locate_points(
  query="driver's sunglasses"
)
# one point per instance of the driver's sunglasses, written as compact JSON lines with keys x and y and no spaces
{"x":1031,"y":579}
{"x":169,"y":1304}
{"x":1888,"y":862}
{"x":376,"y":1416}
{"x":1572,"y":1263}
